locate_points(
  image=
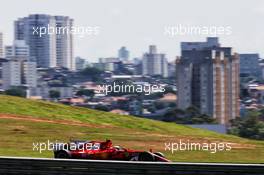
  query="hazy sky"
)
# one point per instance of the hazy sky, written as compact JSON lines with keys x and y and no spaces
{"x":139,"y":23}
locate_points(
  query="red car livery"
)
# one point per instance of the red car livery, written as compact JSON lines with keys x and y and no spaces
{"x":105,"y":150}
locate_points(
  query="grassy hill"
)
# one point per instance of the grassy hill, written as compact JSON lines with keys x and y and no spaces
{"x":24,"y":122}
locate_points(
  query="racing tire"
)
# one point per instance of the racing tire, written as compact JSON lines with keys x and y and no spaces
{"x":62,"y":155}
{"x":146,"y":156}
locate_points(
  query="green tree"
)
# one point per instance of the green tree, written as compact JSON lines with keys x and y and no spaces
{"x":191,"y":115}
{"x":20,"y":92}
{"x":85,"y":92}
{"x":101,"y":108}
{"x":159,"y":105}
{"x":92,"y":72}
{"x":249,"y":127}
{"x":54,"y":94}
{"x":169,"y":90}
{"x":192,"y":111}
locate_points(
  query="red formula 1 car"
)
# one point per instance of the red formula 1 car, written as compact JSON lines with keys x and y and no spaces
{"x":95,"y":150}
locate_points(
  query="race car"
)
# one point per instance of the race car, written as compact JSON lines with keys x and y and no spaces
{"x":103,"y":150}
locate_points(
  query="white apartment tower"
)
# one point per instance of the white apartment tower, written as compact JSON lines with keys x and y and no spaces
{"x":50,"y":49}
{"x":11,"y":74}
{"x":64,"y":43}
{"x":19,"y":49}
{"x":123,"y":54}
{"x":42,"y":49}
{"x":1,"y":45}
{"x":154,"y":63}
{"x":18,"y":70}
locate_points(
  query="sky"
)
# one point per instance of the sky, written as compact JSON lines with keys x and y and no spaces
{"x":137,"y":24}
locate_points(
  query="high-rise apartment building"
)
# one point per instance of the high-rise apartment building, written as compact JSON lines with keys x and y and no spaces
{"x":42,"y":49}
{"x":17,"y":72}
{"x":64,"y":43}
{"x":123,"y":54}
{"x":19,"y":49}
{"x":154,"y":63}
{"x":52,"y":48}
{"x":11,"y":74}
{"x":208,"y":78}
{"x":18,"y":69}
{"x":1,"y":45}
{"x":249,"y":65}
{"x":80,"y":63}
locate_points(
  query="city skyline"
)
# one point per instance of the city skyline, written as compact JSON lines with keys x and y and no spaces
{"x":118,"y":27}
